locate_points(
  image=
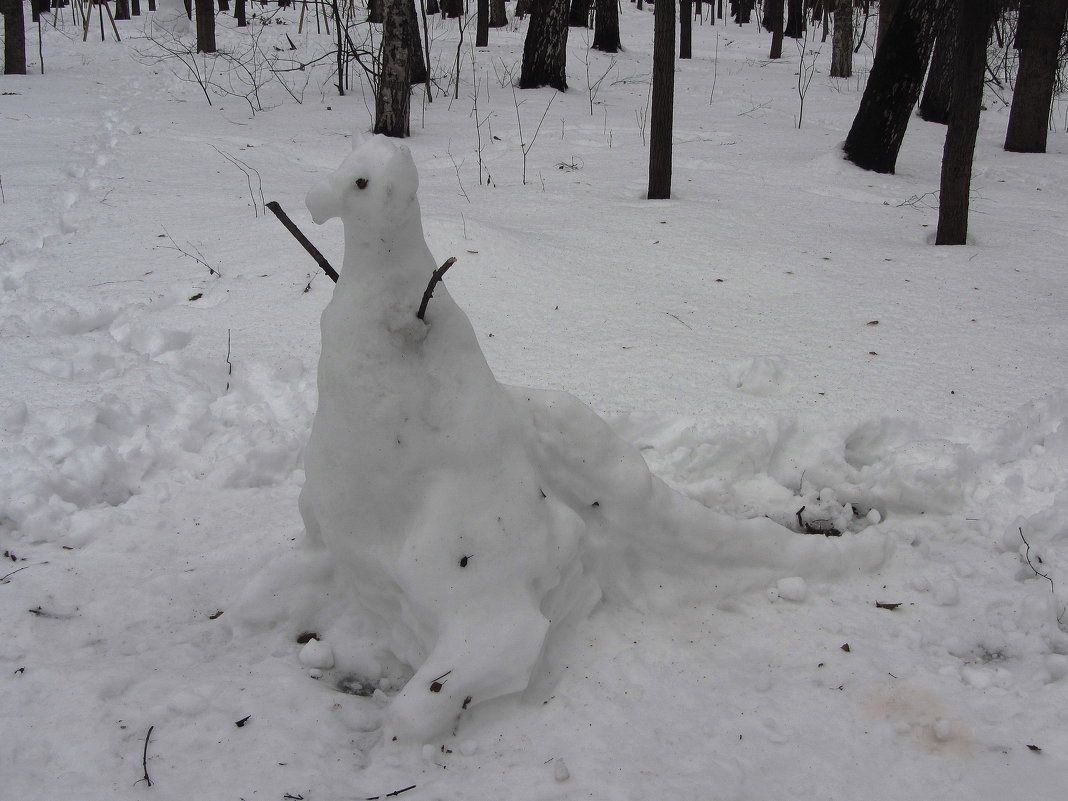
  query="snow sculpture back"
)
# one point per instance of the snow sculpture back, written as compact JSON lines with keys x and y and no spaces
{"x":420,"y":481}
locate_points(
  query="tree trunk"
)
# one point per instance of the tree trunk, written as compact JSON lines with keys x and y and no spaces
{"x":606,"y":27}
{"x":545,"y":48}
{"x":842,"y":46}
{"x":1038,"y":38}
{"x":893,"y":87}
{"x":14,"y":37}
{"x":135,"y":7}
{"x":205,"y":26}
{"x":685,"y":28}
{"x":452,"y":9}
{"x":579,"y":14}
{"x":773,"y":15}
{"x":417,"y":68}
{"x":122,"y":9}
{"x":498,"y":14}
{"x":239,"y":13}
{"x":795,"y":19}
{"x":969,"y":68}
{"x":482,"y":23}
{"x":768,"y":16}
{"x":887,"y":9}
{"x":938,"y":91}
{"x":376,"y":11}
{"x":394,"y":84}
{"x":661,"y":122}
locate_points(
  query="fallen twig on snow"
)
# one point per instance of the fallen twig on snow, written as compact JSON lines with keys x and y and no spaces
{"x":1027,"y":556}
{"x":313,"y":251}
{"x":6,"y":576}
{"x":144,"y":758}
{"x":394,"y":794}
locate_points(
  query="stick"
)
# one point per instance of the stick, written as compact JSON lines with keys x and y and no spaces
{"x":144,"y":756}
{"x":320,"y":259}
{"x":437,"y":276}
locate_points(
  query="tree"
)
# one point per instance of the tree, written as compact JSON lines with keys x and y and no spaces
{"x":376,"y":11}
{"x":417,"y":66}
{"x":239,"y":13}
{"x":661,"y":122}
{"x":842,"y":45}
{"x":14,"y":37}
{"x":938,"y":91}
{"x":893,"y":87}
{"x":685,"y":28}
{"x":887,"y":9}
{"x":205,"y":26}
{"x":122,"y":9}
{"x":1038,"y":38}
{"x":795,"y":19}
{"x":393,"y":101}
{"x":451,"y":9}
{"x":969,"y":68}
{"x":606,"y":27}
{"x":498,"y":14}
{"x":482,"y":23}
{"x":773,"y":16}
{"x":579,"y":14}
{"x":545,"y":48}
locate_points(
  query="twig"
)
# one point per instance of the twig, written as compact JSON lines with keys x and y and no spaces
{"x":1027,"y":556}
{"x":669,"y":314}
{"x":144,"y":758}
{"x":199,"y":259}
{"x":229,"y":364}
{"x":3,"y":579}
{"x":394,"y":794}
{"x":248,"y":171}
{"x":2,"y":198}
{"x":437,"y":276}
{"x":320,"y":259}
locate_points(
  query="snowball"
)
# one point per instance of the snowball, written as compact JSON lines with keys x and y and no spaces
{"x":792,"y":589}
{"x":317,"y":654}
{"x":560,"y":771}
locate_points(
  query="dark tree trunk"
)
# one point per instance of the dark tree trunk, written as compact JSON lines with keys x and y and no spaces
{"x":432,"y":7}
{"x":742,"y":10}
{"x":1038,"y":38}
{"x":969,"y":68}
{"x":417,"y":68}
{"x":893,"y":87}
{"x":795,"y":19}
{"x":14,"y":37}
{"x":768,"y":16}
{"x":224,"y":5}
{"x":685,"y":28}
{"x":661,"y":122}
{"x":938,"y":91}
{"x":545,"y":48}
{"x":606,"y":27}
{"x":376,"y":11}
{"x":122,"y":9}
{"x":239,"y":13}
{"x":482,"y":23}
{"x":451,"y":9}
{"x":135,"y":7}
{"x":522,"y":8}
{"x":205,"y":26}
{"x":887,"y":9}
{"x":773,"y":15}
{"x":579,"y":14}
{"x":842,"y":45}
{"x":498,"y":14}
{"x":394,"y":84}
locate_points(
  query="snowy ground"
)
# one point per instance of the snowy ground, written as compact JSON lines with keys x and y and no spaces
{"x":155,"y":404}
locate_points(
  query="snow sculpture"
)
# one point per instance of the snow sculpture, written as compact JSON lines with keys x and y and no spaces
{"x":419,"y":470}
{"x":469,"y":518}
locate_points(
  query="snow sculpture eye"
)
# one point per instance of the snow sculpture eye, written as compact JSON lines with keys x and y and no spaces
{"x":361,"y":183}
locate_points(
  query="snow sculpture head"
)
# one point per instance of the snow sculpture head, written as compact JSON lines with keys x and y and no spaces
{"x":373,"y":189}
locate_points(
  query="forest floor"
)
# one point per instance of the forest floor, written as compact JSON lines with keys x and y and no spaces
{"x":781,"y":333}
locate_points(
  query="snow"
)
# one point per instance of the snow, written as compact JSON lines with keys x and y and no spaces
{"x":154,"y":413}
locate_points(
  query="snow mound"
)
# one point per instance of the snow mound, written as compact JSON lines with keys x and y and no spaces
{"x":455,"y":524}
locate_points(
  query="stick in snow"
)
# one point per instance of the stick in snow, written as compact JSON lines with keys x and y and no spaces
{"x":304,"y":241}
{"x":144,"y":757}
{"x":437,"y":276}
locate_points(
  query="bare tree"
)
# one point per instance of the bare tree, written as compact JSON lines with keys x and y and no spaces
{"x":663,"y":110}
{"x":842,"y":44}
{"x":482,"y":23}
{"x":205,"y":26}
{"x":938,"y":91}
{"x":773,"y":17}
{"x":606,"y":27}
{"x":685,"y":28}
{"x":14,"y":37}
{"x":893,"y":88}
{"x":545,"y":48}
{"x":498,"y":14}
{"x":969,"y":68}
{"x":1038,"y":37}
{"x":393,"y":101}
